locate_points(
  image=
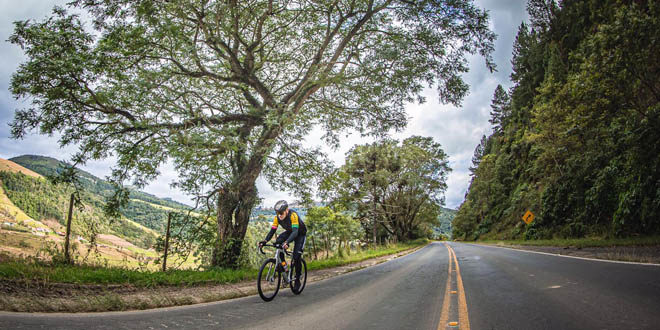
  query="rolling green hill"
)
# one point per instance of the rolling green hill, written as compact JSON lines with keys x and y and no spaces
{"x":143,"y":208}
{"x":33,"y":217}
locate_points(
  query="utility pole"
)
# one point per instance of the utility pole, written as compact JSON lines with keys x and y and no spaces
{"x":167,"y":240}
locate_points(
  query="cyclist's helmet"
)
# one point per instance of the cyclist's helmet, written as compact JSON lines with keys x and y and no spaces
{"x":281,"y":206}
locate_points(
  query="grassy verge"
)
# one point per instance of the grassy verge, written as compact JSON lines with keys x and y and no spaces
{"x":92,"y":275}
{"x":581,"y":242}
{"x":45,"y":273}
{"x":364,"y":255}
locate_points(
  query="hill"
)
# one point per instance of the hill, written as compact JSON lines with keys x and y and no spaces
{"x":576,"y":139}
{"x":143,"y":208}
{"x":50,"y":166}
{"x":32,"y":217}
{"x":33,"y":207}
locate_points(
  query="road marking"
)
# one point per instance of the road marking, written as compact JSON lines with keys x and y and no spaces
{"x":444,"y":316}
{"x":463,"y":319}
{"x":566,"y":256}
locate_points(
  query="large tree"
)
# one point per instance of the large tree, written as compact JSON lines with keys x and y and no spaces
{"x":226,"y":90}
{"x":390,"y":186}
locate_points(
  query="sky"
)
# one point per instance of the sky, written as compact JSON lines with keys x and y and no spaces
{"x":457,"y":129}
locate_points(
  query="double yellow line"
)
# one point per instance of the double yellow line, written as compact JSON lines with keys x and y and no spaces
{"x":454,"y":280}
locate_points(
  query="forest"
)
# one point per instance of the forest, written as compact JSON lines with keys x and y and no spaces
{"x":576,"y":139}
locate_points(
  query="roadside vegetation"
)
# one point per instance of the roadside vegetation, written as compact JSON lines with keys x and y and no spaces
{"x":576,"y":139}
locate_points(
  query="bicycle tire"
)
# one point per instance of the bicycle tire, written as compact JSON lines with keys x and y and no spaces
{"x":303,"y":275}
{"x":268,"y":265}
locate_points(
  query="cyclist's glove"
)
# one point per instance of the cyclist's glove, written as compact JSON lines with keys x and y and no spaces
{"x":262,"y":243}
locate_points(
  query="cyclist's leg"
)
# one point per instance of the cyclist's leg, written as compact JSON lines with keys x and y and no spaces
{"x":279,"y":240}
{"x":297,"y":253}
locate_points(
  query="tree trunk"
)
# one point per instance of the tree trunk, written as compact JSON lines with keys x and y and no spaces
{"x":236,"y":201}
{"x":234,"y":210}
{"x":316,"y":257}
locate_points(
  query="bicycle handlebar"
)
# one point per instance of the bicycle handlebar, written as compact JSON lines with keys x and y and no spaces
{"x":277,"y":246}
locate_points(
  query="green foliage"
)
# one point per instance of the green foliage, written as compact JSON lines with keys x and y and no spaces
{"x":445,"y":218}
{"x":27,"y":270}
{"x":327,"y":230}
{"x":581,"y":144}
{"x":397,"y":188}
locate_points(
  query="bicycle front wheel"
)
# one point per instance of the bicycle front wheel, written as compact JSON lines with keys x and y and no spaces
{"x":268,"y":281}
{"x":303,"y":277}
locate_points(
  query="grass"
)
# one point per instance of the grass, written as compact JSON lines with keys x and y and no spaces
{"x":46,"y":273}
{"x":363,"y":255}
{"x":81,"y":274}
{"x":581,"y":242}
{"x":11,"y":209}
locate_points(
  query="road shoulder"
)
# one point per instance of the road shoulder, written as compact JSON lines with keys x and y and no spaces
{"x":633,"y":254}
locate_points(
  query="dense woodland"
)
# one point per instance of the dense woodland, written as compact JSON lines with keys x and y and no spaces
{"x":576,"y":140}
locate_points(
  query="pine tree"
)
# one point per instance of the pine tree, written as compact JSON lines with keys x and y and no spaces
{"x":500,"y":109}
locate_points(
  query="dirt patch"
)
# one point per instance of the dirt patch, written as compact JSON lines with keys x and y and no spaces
{"x":8,"y":165}
{"x":645,"y":254}
{"x":22,"y":296}
{"x":114,"y":240}
{"x":54,"y":225}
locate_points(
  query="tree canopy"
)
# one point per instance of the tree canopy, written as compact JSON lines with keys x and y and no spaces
{"x":397,"y":188}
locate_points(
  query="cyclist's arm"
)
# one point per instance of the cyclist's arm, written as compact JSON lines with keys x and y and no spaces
{"x":272,"y":231}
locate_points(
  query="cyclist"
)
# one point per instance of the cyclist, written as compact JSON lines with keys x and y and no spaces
{"x":295,"y":231}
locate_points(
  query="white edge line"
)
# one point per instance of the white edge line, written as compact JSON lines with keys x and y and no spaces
{"x":567,"y":256}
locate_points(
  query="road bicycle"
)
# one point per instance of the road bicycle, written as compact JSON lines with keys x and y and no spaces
{"x":271,"y":271}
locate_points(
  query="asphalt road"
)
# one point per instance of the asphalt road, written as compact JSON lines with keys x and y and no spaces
{"x":491,"y":288}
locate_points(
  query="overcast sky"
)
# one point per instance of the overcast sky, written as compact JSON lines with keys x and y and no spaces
{"x":457,"y":129}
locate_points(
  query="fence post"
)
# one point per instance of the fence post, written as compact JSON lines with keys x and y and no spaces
{"x":67,"y":255}
{"x":167,"y":240}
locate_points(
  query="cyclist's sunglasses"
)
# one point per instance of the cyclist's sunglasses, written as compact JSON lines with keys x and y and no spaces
{"x":280,"y":213}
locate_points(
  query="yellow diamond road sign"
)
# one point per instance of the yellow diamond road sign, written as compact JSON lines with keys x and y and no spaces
{"x":528,"y":217}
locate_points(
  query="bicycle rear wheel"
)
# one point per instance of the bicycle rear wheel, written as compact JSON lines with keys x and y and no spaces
{"x":303,"y":277}
{"x":268,"y":281}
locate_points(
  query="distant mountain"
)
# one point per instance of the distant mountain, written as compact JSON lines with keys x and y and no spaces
{"x":48,"y":166}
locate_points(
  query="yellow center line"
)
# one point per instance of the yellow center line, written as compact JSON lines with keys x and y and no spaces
{"x":463,"y":319}
{"x":444,"y":316}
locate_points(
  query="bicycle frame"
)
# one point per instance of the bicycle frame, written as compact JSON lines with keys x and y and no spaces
{"x":278,"y":261}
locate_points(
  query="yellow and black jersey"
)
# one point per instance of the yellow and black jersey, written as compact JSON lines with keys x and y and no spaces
{"x":291,"y":221}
